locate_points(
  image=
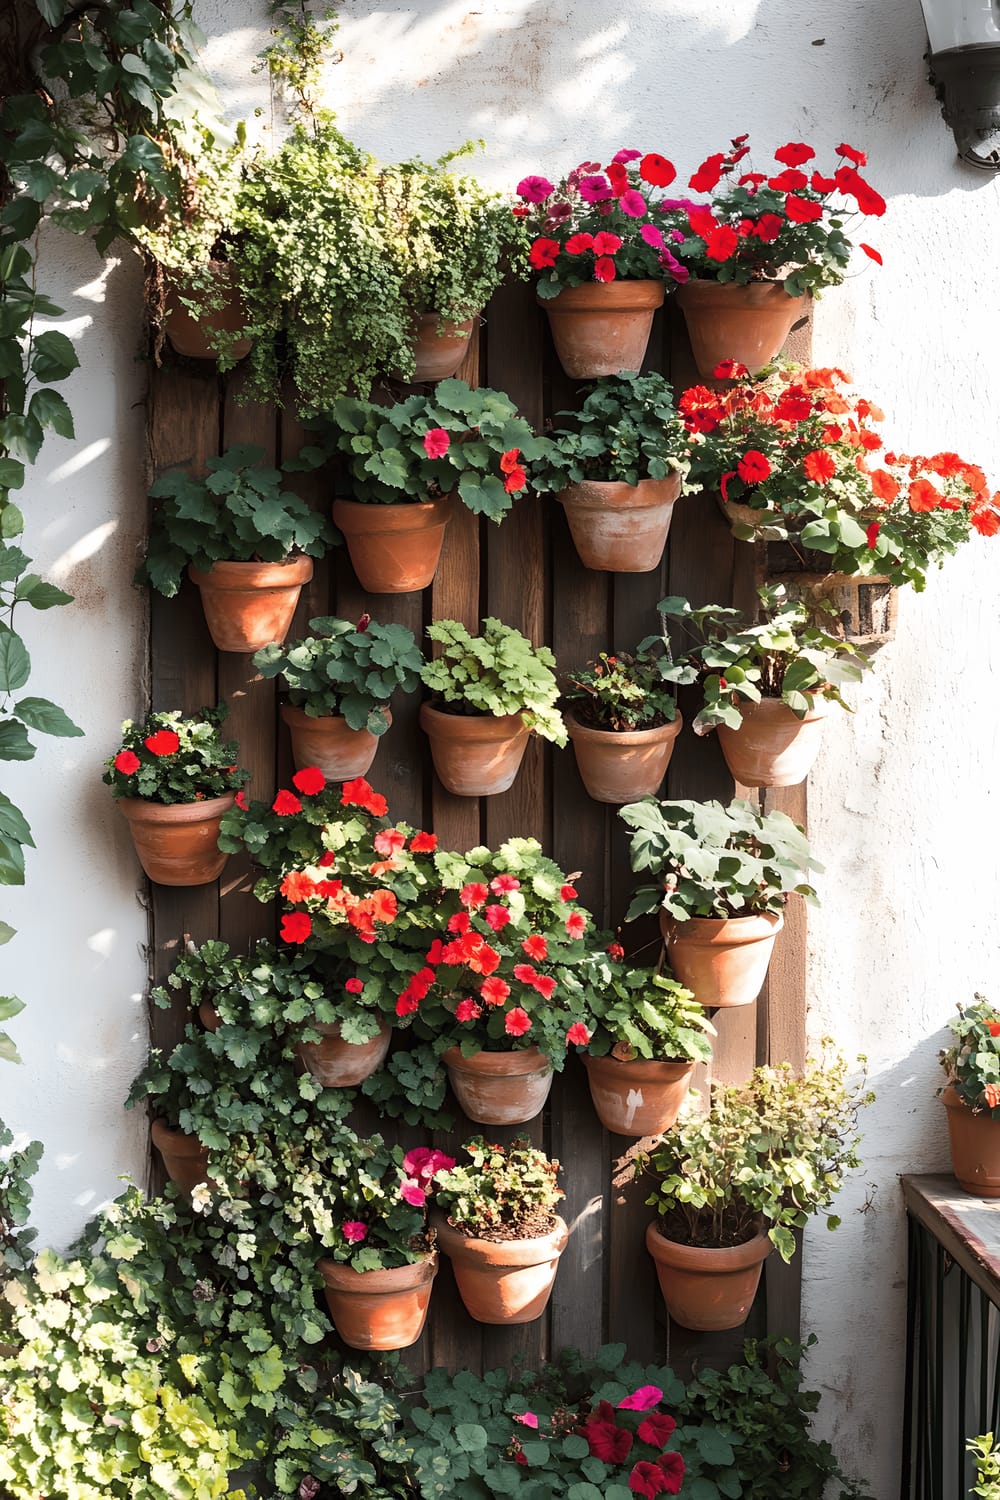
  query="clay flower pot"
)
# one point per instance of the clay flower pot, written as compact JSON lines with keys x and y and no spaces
{"x":639,"y":1097}
{"x":337,"y":1064}
{"x":772,"y":747}
{"x":503,"y":1281}
{"x":330,"y":743}
{"x":379,"y":1309}
{"x":438,"y":355}
{"x":974,"y":1137}
{"x":499,"y":1088}
{"x":620,"y":528}
{"x":708,"y":1289}
{"x":721,"y":960}
{"x":184,"y":1157}
{"x":248,"y":604}
{"x":394,"y":549}
{"x":602,"y":328}
{"x":209,"y":1016}
{"x":475,"y":755}
{"x":190,"y":334}
{"x":746,"y":323}
{"x":620,"y":768}
{"x":179,"y":844}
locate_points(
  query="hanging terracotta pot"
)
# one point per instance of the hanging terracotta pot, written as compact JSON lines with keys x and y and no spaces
{"x":708,"y":1289}
{"x":250,"y":604}
{"x":867,"y":609}
{"x":184,"y":1157}
{"x":379,"y":1309}
{"x":503,"y":1281}
{"x":337,"y":1064}
{"x":209,"y":1016}
{"x":475,"y":755}
{"x":499,"y":1088}
{"x":438,"y":355}
{"x":721,"y":960}
{"x":620,"y":528}
{"x":746,"y":323}
{"x":191,"y":333}
{"x":773,"y":747}
{"x":640,"y":1097}
{"x":179,"y":844}
{"x":602,"y":328}
{"x":330,"y":743}
{"x":620,"y":768}
{"x":394,"y":549}
{"x":974,"y":1137}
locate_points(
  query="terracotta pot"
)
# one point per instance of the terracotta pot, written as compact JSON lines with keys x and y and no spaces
{"x":209,"y":1016}
{"x":638,"y":1097}
{"x":189,"y":333}
{"x":184,"y":1157}
{"x":438,"y":356}
{"x":745,"y":323}
{"x":620,"y":768}
{"x":394,"y":549}
{"x":178,"y":845}
{"x":499,"y":1088}
{"x":738,"y":514}
{"x":708,"y":1289}
{"x":867,"y":608}
{"x":330,"y":743}
{"x":475,"y":755}
{"x":974,"y":1137}
{"x":337,"y":1064}
{"x":772,"y":747}
{"x":379,"y":1309}
{"x":248,"y":604}
{"x":602,"y":328}
{"x":620,"y":528}
{"x":503,"y":1281}
{"x":721,"y":960}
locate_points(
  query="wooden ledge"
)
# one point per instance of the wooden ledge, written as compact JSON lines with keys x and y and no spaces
{"x":966,"y":1226}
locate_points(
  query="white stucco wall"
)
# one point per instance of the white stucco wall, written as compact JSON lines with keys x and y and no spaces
{"x":902,"y":806}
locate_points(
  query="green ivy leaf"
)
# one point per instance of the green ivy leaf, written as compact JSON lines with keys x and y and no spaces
{"x":10,"y":1006}
{"x":53,"y":356}
{"x":51,"y":410}
{"x":47,"y":718}
{"x":15,"y":663}
{"x":35,"y":591}
{"x":14,"y":742}
{"x":8,"y":1052}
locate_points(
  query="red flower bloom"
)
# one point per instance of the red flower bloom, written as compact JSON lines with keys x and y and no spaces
{"x":854,"y":185}
{"x":484,"y":960}
{"x":525,"y":973}
{"x":468,"y":1010}
{"x":389,"y":841}
{"x":607,"y":1441}
{"x":606,"y":243}
{"x":721,"y":243}
{"x":517,"y":1022}
{"x":577,"y":244}
{"x":647,"y":1479}
{"x":407,"y":1003}
{"x":310,"y":781}
{"x":545,"y":986}
{"x":286,"y":804}
{"x":604,"y":269}
{"x":473,"y":894}
{"x":543,"y":253}
{"x":993,"y":1027}
{"x":821,"y":184}
{"x":769,"y":226}
{"x":241,"y":801}
{"x":579,"y":1036}
{"x":753,"y":467}
{"x":819,"y":466}
{"x":859,"y":158}
{"x":802,"y":210}
{"x":672,"y":1466}
{"x":354,"y":986}
{"x":358,"y":793}
{"x":576,"y":924}
{"x":497,"y":917}
{"x":871,"y":254}
{"x":923,"y":496}
{"x":326,"y":859}
{"x":752,"y":179}
{"x":423,"y":843}
{"x":615,"y":950}
{"x":702,"y":221}
{"x":567,"y":893}
{"x":354,"y":1231}
{"x":502,"y":883}
{"x":985,"y":521}
{"x":163,"y":742}
{"x":871,"y":533}
{"x":509,"y":461}
{"x":708,"y":174}
{"x":701,"y":409}
{"x":792,"y":408}
{"x":884,"y":486}
{"x":295,"y":926}
{"x":656,"y":1429}
{"x":794,"y":154}
{"x":618,"y":177}
{"x":127,"y":762}
{"x":494,"y":990}
{"x":656,"y":170}
{"x":515,"y":481}
{"x":788,"y":182}
{"x":436,"y":442}
{"x":730,"y":369}
{"x":459,"y":922}
{"x":535,"y":946}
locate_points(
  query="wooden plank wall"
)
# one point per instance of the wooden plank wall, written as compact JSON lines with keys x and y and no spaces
{"x":527,"y":572}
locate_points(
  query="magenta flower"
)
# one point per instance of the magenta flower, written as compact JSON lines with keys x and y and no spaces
{"x":669,"y":263}
{"x":594,"y":189}
{"x":354,"y":1231}
{"x":652,"y":236}
{"x":436,"y":442}
{"x":527,"y":1419}
{"x":411,"y":1192}
{"x":643,"y":1399}
{"x":632,"y":203}
{"x":626,"y":156}
{"x":424,"y":1162}
{"x":534,"y":189}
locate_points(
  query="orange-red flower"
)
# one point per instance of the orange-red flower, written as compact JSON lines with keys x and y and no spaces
{"x":819,"y":466}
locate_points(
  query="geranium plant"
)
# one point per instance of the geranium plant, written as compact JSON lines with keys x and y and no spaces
{"x":972,"y":1063}
{"x":797,"y":450}
{"x":627,"y":430}
{"x":498,"y":672}
{"x":715,"y":861}
{"x":986,"y":1457}
{"x":344,"y":669}
{"x":626,"y":691}
{"x":599,"y":223}
{"x":502,"y":1193}
{"x":378,"y":1212}
{"x":788,"y":225}
{"x":636,"y":1012}
{"x":169,"y":758}
{"x":772,"y":1151}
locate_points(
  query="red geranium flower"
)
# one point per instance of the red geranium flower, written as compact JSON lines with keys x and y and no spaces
{"x":127,"y":762}
{"x":788,"y":182}
{"x":648,"y":1479}
{"x":497,"y":917}
{"x":459,"y":922}
{"x":163,"y":742}
{"x":672,"y":1466}
{"x":517,"y":1022}
{"x":769,"y":226}
{"x":859,"y":158}
{"x":985,"y":521}
{"x":494,"y":990}
{"x":535,"y":946}
{"x":657,"y":170}
{"x":358,"y":793}
{"x":286,"y":804}
{"x":389,"y":841}
{"x":854,"y":185}
{"x":753,"y":467}
{"x":871,"y":254}
{"x":423,"y":843}
{"x":884,"y":486}
{"x":579,"y":1036}
{"x":821,"y":184}
{"x":871,"y":533}
{"x":467,"y":1010}
{"x":576,"y":924}
{"x":802,"y":210}
{"x":515,"y":481}
{"x":721,"y":243}
{"x":819,"y":466}
{"x":473,"y":894}
{"x":545,"y":986}
{"x":310,"y":781}
{"x":615,"y":950}
{"x":923,"y":496}
{"x":604,"y":269}
{"x":241,"y":801}
{"x":436,"y":442}
{"x":708,"y":174}
{"x":607,"y":1441}
{"x":794,"y":154}
{"x":354,"y":986}
{"x":567,"y":893}
{"x":730,"y":369}
{"x":296,"y":926}
{"x":578,"y":244}
{"x":543,"y":253}
{"x":503,"y":883}
{"x":657,"y":1429}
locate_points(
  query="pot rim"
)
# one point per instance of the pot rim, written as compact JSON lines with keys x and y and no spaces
{"x":144,"y":810}
{"x":527,"y":1252}
{"x":721,"y":1258}
{"x":648,"y":1069}
{"x":343,"y":1278}
{"x":625,"y":737}
{"x":499,"y":1064}
{"x":293,"y":571}
{"x":753,"y":292}
{"x":178,"y":1142}
{"x":614,"y":494}
{"x":614,"y":296}
{"x":472,"y":726}
{"x":292,"y":714}
{"x":707,"y":930}
{"x":359,"y":517}
{"x":775,"y":709}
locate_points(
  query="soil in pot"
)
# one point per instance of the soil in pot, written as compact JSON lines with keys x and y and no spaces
{"x":708,"y":1289}
{"x":640,"y":1097}
{"x":504,"y":1280}
{"x":773,"y":747}
{"x":722,"y":960}
{"x":475,"y":755}
{"x":438,"y":351}
{"x":330,"y":743}
{"x":746,"y":323}
{"x":394,"y":549}
{"x":379,"y":1309}
{"x":337,"y":1064}
{"x":499,"y":1088}
{"x":190,"y":333}
{"x":184,"y":1157}
{"x":248,"y":604}
{"x":974,"y":1138}
{"x":620,"y":528}
{"x":602,"y":328}
{"x":179,"y":844}
{"x":620,"y":768}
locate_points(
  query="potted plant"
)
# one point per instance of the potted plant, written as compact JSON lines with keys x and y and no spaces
{"x":736,"y":1182}
{"x":723,"y":875}
{"x":339,"y":682}
{"x":971,"y":1096}
{"x":986,"y":1457}
{"x":247,"y":544}
{"x":491,"y":691}
{"x":598,"y":248}
{"x":407,"y":463}
{"x":174,"y":778}
{"x":495,"y":1218}
{"x":379,"y":1261}
{"x":766,"y":687}
{"x":646,"y":1034}
{"x":617,"y":466}
{"x":761,"y":244}
{"x":623,"y":722}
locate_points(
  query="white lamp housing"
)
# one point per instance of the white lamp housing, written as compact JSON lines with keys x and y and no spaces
{"x":964,"y":58}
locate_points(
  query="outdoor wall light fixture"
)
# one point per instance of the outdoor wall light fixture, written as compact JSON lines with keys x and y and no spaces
{"x":964,"y":58}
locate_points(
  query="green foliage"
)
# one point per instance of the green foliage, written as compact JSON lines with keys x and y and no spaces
{"x":498,"y":673}
{"x":237,"y":513}
{"x":972,"y":1064}
{"x":986,"y":1457}
{"x":347,"y":670}
{"x":774,"y":1150}
{"x":635,"y":1012}
{"x":501,"y":1190}
{"x":627,"y":430}
{"x":624,"y":692}
{"x":411,"y":1087}
{"x":17,"y":1167}
{"x":715,"y":861}
{"x":169,"y":758}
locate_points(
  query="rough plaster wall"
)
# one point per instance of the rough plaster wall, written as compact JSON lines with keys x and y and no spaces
{"x":902,"y":806}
